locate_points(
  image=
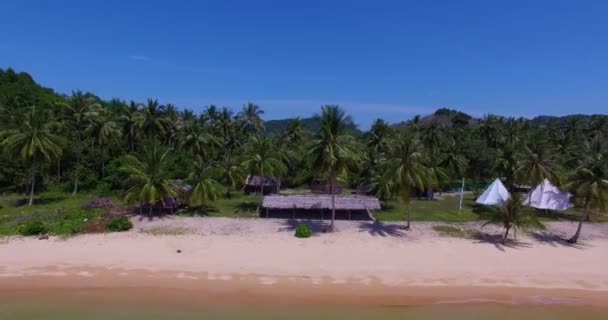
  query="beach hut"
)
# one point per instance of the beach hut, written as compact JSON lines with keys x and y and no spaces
{"x":495,"y":194}
{"x":253,"y":184}
{"x":549,"y":197}
{"x":348,"y":207}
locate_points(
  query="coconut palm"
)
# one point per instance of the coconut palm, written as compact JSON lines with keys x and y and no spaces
{"x":511,"y":216}
{"x":230,"y":172}
{"x":406,"y":169}
{"x":536,"y":164}
{"x":250,"y":119}
{"x":151,"y":121}
{"x":77,"y":114}
{"x":506,"y":165}
{"x":491,"y":130}
{"x":263,"y":159}
{"x":102,"y":129}
{"x":454,"y":162}
{"x":148,"y":177}
{"x":205,"y":189}
{"x":332,"y":150}
{"x":589,"y":184}
{"x":196,"y":140}
{"x":379,"y":137}
{"x":33,"y":142}
{"x":128,"y":116}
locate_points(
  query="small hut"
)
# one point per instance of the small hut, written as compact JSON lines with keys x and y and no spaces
{"x":325,"y":188}
{"x":253,"y":184}
{"x":319,"y":206}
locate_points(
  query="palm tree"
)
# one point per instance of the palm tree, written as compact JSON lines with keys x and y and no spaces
{"x":536,"y":164}
{"x":453,"y":161}
{"x":250,"y":119}
{"x":205,"y":188}
{"x":103,"y":129}
{"x":33,"y":142}
{"x":77,"y":113}
{"x":379,"y":136}
{"x":151,"y":121}
{"x":589,"y":183}
{"x":406,"y":169}
{"x":332,"y":150}
{"x":149,"y":177}
{"x":506,"y":165}
{"x":196,"y":140}
{"x":128,"y":115}
{"x":491,"y":130}
{"x":230,"y":172}
{"x":511,"y":216}
{"x":263,"y":160}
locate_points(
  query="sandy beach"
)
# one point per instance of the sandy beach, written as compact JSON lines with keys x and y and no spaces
{"x":264,"y":254}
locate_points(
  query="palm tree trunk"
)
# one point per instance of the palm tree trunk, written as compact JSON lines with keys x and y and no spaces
{"x":77,"y":169}
{"x":408,"y":226}
{"x":333,"y":204}
{"x":584,"y":217}
{"x":504,"y":238}
{"x":33,"y":184}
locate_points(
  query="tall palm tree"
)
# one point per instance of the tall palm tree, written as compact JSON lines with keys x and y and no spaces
{"x":332,"y":150}
{"x":33,"y":142}
{"x":196,"y":140}
{"x":491,"y":130}
{"x":250,"y":119}
{"x":77,"y":114}
{"x":380,"y":134}
{"x":263,"y":160}
{"x":536,"y":164}
{"x":506,"y":165}
{"x":406,"y":169}
{"x":454,"y":162}
{"x":149,"y":177}
{"x":128,"y":115}
{"x":151,"y":121}
{"x":589,"y":183}
{"x":511,"y":216}
{"x":103,"y":129}
{"x":205,"y":189}
{"x":230,"y":172}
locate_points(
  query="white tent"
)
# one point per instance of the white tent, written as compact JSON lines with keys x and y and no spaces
{"x":548,"y":196}
{"x":496,"y":193}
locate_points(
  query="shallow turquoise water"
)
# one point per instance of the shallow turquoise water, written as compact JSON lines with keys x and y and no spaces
{"x":86,"y":305}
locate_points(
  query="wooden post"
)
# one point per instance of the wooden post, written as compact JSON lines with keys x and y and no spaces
{"x":266,"y":212}
{"x":293,"y":212}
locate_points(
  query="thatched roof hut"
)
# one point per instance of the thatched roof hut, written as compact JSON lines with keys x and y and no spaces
{"x":347,"y":207}
{"x":254,"y":183}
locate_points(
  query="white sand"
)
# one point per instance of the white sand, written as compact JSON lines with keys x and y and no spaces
{"x":223,"y":249}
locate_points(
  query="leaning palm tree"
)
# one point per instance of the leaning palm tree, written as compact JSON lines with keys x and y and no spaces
{"x":263,"y":160}
{"x":406,"y":169}
{"x":205,"y":189}
{"x":511,"y":216}
{"x":33,"y":142}
{"x":149,"y":177}
{"x":589,"y":183}
{"x":332,"y":150}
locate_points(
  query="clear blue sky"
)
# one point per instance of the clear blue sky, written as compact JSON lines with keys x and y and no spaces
{"x":389,"y":59}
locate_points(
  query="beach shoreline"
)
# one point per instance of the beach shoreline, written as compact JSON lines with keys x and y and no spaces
{"x":259,"y":260}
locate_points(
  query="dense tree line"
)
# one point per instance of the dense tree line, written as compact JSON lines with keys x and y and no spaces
{"x":80,"y":142}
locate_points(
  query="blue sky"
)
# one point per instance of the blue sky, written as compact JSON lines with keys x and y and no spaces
{"x":389,"y":59}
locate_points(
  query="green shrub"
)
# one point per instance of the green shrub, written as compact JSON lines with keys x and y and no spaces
{"x":32,"y":228}
{"x":303,"y":231}
{"x":119,"y":224}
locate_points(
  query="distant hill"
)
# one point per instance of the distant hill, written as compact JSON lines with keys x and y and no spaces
{"x":311,"y":124}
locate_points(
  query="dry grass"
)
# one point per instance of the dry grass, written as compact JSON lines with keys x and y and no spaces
{"x":455,"y":232}
{"x":167,"y":231}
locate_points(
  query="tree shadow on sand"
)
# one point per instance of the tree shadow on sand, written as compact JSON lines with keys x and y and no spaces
{"x":555,"y":240}
{"x":496,"y":240}
{"x":378,"y":228}
{"x":315,"y":225}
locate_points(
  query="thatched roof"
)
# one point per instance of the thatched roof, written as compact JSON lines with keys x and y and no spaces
{"x":312,"y":202}
{"x":257,"y":181}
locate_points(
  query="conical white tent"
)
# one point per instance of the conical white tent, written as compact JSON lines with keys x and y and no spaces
{"x":496,"y":193}
{"x":547,"y":196}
